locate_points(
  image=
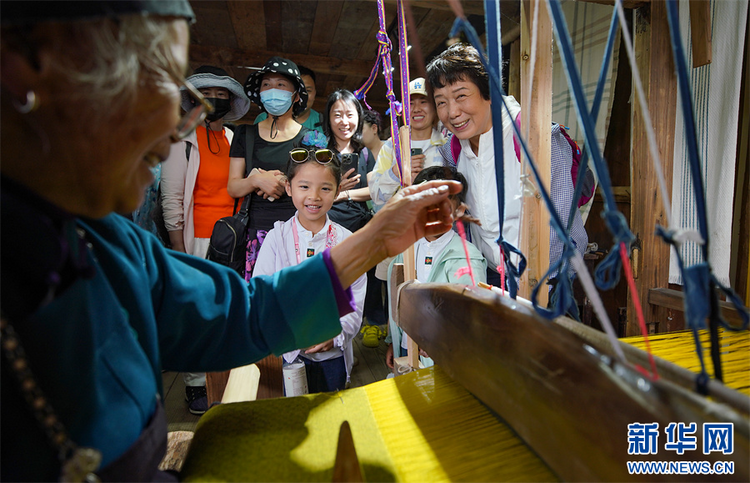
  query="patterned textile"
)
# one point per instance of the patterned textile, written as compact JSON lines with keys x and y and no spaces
{"x":254,"y":241}
{"x":716,"y":102}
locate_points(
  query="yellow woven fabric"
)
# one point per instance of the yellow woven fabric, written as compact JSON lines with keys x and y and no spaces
{"x":435,"y":430}
{"x":285,"y":439}
{"x":417,"y":427}
{"x":679,"y":348}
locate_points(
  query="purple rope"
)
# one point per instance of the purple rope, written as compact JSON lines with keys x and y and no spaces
{"x":404,"y":58}
{"x":384,"y":57}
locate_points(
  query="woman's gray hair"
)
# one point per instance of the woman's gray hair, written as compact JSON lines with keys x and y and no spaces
{"x":116,"y":58}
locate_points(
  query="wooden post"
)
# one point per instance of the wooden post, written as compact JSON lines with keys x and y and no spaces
{"x":653,"y":53}
{"x":410,"y":269}
{"x":514,"y":70}
{"x":700,"y":29}
{"x":536,"y":112}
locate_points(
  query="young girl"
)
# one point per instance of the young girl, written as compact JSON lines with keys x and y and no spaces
{"x":313,"y":177}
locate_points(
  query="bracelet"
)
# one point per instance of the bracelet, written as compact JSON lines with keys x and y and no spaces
{"x":348,"y":196}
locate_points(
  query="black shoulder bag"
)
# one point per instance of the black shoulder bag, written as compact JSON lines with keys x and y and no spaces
{"x":228,"y":245}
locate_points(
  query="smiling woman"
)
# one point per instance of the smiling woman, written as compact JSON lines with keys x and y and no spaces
{"x":94,"y":307}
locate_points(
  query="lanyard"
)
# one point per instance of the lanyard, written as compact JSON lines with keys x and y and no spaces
{"x":329,"y":238}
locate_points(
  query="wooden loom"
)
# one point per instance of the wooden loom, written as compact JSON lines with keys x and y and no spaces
{"x":563,"y":407}
{"x":554,"y":383}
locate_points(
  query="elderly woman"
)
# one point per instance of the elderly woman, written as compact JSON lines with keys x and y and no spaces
{"x":93,"y":307}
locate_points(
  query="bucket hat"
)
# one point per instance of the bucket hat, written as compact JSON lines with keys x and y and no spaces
{"x":277,"y":65}
{"x":209,"y":76}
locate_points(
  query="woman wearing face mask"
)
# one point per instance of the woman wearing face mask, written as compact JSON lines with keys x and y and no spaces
{"x":194,"y":183}
{"x":259,"y":152}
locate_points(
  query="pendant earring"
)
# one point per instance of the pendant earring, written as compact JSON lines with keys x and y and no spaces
{"x":30,"y":105}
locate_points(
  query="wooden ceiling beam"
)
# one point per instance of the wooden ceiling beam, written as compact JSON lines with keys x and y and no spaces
{"x":471,"y":7}
{"x":326,"y":15}
{"x":249,"y":23}
{"x":213,"y":55}
{"x":625,"y":3}
{"x":274,"y":20}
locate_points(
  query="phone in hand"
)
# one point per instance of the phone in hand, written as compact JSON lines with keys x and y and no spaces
{"x":416,"y":151}
{"x":349,"y":161}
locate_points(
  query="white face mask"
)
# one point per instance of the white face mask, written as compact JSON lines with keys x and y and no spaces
{"x":276,"y":101}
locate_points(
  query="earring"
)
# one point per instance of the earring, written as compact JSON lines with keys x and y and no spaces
{"x":30,"y":105}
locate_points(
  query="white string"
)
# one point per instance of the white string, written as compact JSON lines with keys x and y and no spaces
{"x":645,"y":113}
{"x":593,"y":294}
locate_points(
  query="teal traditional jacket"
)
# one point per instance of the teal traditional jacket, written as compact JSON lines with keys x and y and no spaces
{"x":103,"y":315}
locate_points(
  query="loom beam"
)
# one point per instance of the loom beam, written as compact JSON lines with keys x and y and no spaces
{"x":566,"y":400}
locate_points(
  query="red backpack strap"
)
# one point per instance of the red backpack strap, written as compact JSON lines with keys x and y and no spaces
{"x":455,"y":148}
{"x":517,"y":146}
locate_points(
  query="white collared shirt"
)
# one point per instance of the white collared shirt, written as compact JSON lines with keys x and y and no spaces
{"x":481,"y":196}
{"x":278,"y":252}
{"x":425,"y":254}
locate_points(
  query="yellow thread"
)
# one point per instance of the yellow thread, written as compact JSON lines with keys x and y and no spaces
{"x":435,"y":430}
{"x":418,"y":427}
{"x":679,"y":348}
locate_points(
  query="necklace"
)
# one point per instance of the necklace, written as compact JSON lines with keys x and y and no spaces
{"x":329,"y":238}
{"x":77,"y":464}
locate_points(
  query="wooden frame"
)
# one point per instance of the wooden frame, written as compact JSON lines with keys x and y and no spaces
{"x":563,"y":393}
{"x":654,"y":56}
{"x":537,"y":110}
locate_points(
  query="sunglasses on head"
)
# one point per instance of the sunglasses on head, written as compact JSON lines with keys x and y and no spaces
{"x":301,"y":155}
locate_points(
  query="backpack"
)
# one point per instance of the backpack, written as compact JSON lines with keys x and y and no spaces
{"x":589,"y":181}
{"x":228,"y":243}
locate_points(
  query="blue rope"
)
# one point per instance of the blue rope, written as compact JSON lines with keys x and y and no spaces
{"x":605,"y":65}
{"x":608,"y":272}
{"x":584,"y":163}
{"x":689,"y":118}
{"x":494,"y":56}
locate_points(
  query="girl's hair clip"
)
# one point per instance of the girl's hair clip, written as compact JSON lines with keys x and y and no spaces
{"x":315,"y":138}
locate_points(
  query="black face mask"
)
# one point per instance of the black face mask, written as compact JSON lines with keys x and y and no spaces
{"x":221,"y":108}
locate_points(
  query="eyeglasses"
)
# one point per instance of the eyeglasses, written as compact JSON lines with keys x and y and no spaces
{"x":301,"y":155}
{"x":193,"y":117}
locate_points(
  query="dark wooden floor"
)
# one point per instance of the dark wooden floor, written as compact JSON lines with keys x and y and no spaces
{"x":370,"y":368}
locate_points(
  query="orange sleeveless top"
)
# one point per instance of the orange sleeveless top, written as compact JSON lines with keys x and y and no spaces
{"x":210,"y":198}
